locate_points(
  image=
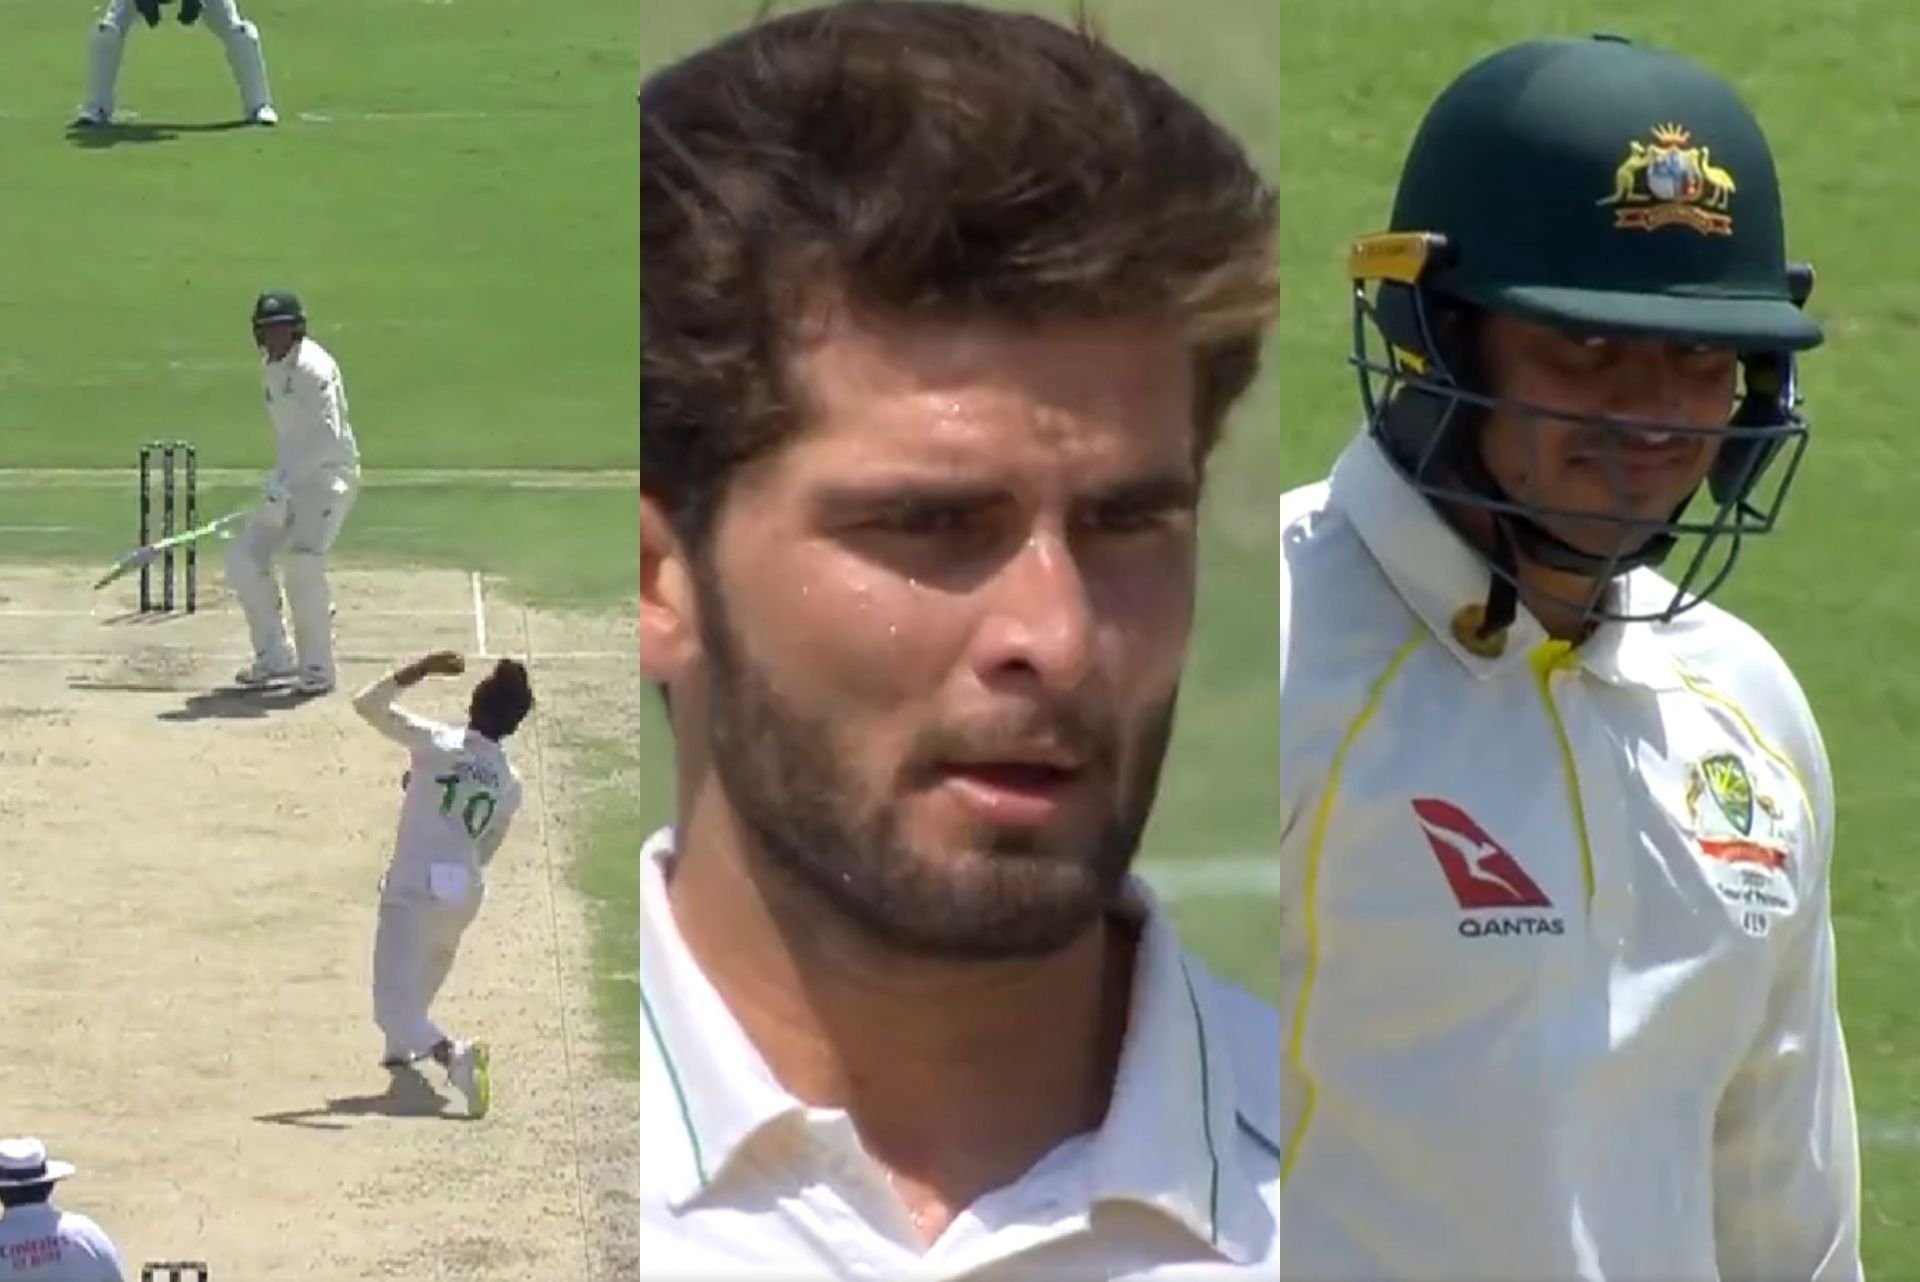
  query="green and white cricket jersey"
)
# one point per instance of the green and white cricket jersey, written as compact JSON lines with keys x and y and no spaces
{"x":461,"y":798}
{"x":740,"y":1180}
{"x":307,"y":401}
{"x":1557,"y":957}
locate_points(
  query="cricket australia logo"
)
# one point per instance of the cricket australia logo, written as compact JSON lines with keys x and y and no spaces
{"x":1670,"y":182}
{"x":1742,"y":841}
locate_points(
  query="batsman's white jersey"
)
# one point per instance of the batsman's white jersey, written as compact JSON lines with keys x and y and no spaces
{"x":1557,"y":961}
{"x":238,"y":37}
{"x":307,"y":401}
{"x":459,"y":801}
{"x":42,"y":1243}
{"x":315,"y":484}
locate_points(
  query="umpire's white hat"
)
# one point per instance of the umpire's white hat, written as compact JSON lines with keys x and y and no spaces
{"x":24,"y":1162}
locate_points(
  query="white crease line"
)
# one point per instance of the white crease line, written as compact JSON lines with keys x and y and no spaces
{"x":197,"y":654}
{"x":331,"y":117}
{"x":479,"y":619}
{"x":104,"y":613}
{"x":1219,"y":876}
{"x":1889,"y":1134}
{"x":371,"y":478}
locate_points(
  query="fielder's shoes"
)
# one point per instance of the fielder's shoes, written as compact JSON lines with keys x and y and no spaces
{"x":92,"y":118}
{"x":264,"y":672}
{"x":470,"y":1071}
{"x":263,"y":116}
{"x":314,"y":681}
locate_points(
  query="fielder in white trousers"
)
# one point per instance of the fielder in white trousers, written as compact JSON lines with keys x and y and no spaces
{"x":239,"y":37}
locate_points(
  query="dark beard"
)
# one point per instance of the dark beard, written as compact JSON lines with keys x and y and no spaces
{"x":1010,"y":898}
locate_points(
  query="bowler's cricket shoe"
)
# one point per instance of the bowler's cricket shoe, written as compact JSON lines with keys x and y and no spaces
{"x":266,"y":117}
{"x":93,"y":118}
{"x":264,"y":671}
{"x":314,"y":681}
{"x":470,"y":1071}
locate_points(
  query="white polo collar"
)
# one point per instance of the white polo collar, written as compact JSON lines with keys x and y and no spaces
{"x":1170,"y":1138}
{"x":1438,"y":575}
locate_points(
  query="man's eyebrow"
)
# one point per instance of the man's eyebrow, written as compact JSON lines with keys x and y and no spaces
{"x":906,"y":486}
{"x":1161,"y":490}
{"x":1171,"y":489}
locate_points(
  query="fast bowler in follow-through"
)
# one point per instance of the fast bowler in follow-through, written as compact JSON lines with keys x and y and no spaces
{"x":461,"y":794}
{"x":305,"y":502}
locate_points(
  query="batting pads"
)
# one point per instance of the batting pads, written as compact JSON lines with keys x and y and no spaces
{"x":319,"y":509}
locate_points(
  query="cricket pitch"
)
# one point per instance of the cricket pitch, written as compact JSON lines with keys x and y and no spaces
{"x":187,"y":894}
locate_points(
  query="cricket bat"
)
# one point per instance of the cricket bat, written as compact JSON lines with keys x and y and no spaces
{"x":146,"y":555}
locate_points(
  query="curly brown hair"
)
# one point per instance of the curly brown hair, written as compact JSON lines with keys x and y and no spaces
{"x":924,"y":158}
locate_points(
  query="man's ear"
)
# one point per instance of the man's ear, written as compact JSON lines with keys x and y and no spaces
{"x":669,"y":613}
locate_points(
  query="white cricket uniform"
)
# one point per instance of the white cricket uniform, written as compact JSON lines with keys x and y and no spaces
{"x":42,"y":1243}
{"x":738,"y":1179}
{"x":1558,"y":961}
{"x":318,"y":473}
{"x":239,"y":37}
{"x":459,"y":802}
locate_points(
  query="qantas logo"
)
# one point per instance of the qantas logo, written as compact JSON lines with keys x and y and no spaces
{"x":1481,"y":874}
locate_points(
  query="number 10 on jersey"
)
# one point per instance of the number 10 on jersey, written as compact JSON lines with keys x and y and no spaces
{"x":476,"y":814}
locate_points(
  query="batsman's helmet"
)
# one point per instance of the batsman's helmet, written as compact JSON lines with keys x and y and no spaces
{"x":277,"y":307}
{"x":1604,"y":189}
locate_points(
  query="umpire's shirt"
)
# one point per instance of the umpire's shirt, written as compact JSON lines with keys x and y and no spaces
{"x":1558,"y":968}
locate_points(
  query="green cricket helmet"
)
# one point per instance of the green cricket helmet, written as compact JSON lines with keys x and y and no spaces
{"x":277,"y":307}
{"x":1603,"y":189}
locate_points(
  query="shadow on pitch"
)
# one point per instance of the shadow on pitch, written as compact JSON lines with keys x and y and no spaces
{"x":238,"y":703}
{"x":228,"y":703}
{"x":101,"y":137}
{"x":408,"y":1094}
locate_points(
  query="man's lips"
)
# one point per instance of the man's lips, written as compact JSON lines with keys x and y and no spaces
{"x":1641,"y":456}
{"x":1018,"y":790}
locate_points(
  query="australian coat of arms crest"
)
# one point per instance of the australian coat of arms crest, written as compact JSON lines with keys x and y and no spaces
{"x":1742,"y":840}
{"x":1670,"y":182}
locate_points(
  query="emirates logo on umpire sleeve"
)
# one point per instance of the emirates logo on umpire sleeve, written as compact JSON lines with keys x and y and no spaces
{"x":1483,"y":876}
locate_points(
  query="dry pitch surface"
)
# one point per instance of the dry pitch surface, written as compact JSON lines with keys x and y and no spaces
{"x":187,"y":894}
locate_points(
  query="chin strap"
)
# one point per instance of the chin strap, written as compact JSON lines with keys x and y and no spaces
{"x":1483,"y":629}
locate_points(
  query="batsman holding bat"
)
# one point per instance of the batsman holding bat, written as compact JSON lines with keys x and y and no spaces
{"x":461,"y":794}
{"x":306,"y":501}
{"x":239,"y":37}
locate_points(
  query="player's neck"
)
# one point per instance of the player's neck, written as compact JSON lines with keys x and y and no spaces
{"x":1553,"y":597}
{"x":959,"y":1076}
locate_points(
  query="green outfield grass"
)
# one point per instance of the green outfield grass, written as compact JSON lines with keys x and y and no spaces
{"x":452,"y":193}
{"x":461,"y":228}
{"x":1835,"y":88}
{"x":1218,"y":796}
